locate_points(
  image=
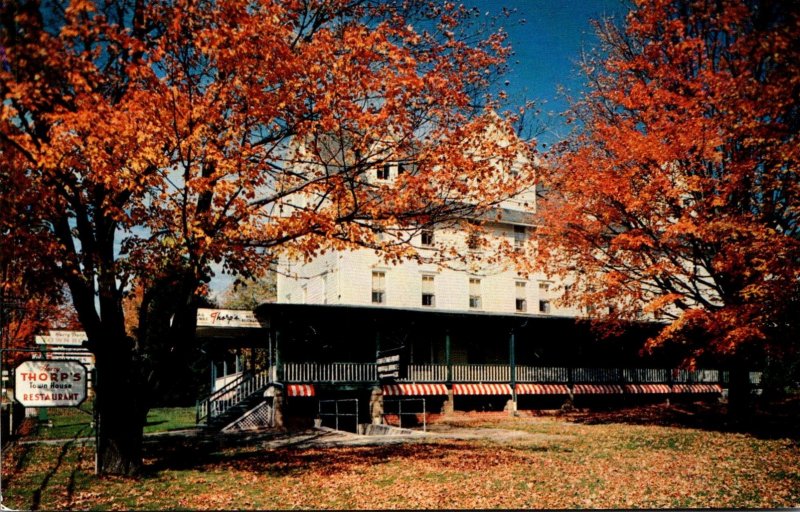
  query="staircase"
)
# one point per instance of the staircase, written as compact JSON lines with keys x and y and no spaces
{"x":233,"y":400}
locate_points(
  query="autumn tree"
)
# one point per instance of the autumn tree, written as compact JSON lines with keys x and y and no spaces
{"x":157,"y":138}
{"x":32,"y":301}
{"x":677,"y":195}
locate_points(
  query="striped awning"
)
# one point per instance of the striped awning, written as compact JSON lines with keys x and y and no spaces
{"x":542,"y":389}
{"x":696,"y":388}
{"x":414,"y":389}
{"x":481,"y":389}
{"x":647,"y":388}
{"x":596,"y":389}
{"x":300,"y":390}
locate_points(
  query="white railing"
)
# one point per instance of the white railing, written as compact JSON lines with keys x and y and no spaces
{"x":329,"y":372}
{"x":695,"y":376}
{"x":595,"y":375}
{"x":541,"y":374}
{"x":657,"y":375}
{"x":481,"y":373}
{"x":231,"y":394}
{"x":221,"y":382}
{"x":426,"y":373}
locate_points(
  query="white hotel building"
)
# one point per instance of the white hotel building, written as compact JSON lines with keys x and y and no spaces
{"x":359,"y":277}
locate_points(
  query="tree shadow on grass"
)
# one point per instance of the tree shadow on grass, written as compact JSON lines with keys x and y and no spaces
{"x":36,"y":499}
{"x":295,"y":458}
{"x":766,"y":421}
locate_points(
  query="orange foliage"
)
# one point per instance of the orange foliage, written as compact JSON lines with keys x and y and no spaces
{"x":189,"y":131}
{"x":154,"y":139}
{"x":679,"y":193}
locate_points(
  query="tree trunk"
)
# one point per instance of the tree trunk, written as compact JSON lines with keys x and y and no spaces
{"x":120,"y":409}
{"x":739,"y":402}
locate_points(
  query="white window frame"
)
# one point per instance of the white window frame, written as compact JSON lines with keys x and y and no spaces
{"x":475,"y":301}
{"x":521,"y":296}
{"x":428,"y":291}
{"x":426,"y":233}
{"x":379,"y":290}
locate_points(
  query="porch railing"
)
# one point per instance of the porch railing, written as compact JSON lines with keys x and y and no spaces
{"x":309,"y":372}
{"x":481,"y":373}
{"x":542,"y":374}
{"x":330,"y":372}
{"x":426,"y":373}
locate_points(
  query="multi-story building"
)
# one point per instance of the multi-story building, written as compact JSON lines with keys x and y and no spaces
{"x":458,"y":268}
{"x":462,"y":316}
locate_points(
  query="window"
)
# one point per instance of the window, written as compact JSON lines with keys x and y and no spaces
{"x":544,"y":286}
{"x":521,"y":297}
{"x":474,"y":293}
{"x":519,"y":237}
{"x":379,"y":287}
{"x":544,"y":306}
{"x":406,"y":167}
{"x":383,"y":172}
{"x":427,"y":237}
{"x":473,"y":241}
{"x":428,"y":297}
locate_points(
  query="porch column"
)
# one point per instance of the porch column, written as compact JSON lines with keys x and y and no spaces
{"x":377,"y":343}
{"x":278,"y":372}
{"x":512,"y":362}
{"x":447,"y":358}
{"x":269,"y":354}
{"x":448,"y":406}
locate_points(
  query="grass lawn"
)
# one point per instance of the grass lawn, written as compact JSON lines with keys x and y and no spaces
{"x":70,"y":423}
{"x":549,"y":462}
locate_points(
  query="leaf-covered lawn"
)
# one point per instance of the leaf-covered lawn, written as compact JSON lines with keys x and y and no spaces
{"x":560,"y":464}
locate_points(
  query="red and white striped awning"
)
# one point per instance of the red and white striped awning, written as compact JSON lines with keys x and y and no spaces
{"x":647,"y":388}
{"x":696,"y":388}
{"x":481,"y":389}
{"x":596,"y":389}
{"x":299,"y":390}
{"x":542,"y":389}
{"x":414,"y":389}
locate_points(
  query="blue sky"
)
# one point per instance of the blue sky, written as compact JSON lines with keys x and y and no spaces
{"x":547,"y":47}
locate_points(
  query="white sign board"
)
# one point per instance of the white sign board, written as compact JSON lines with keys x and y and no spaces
{"x":63,"y":338}
{"x":227,"y":318}
{"x":50,"y":383}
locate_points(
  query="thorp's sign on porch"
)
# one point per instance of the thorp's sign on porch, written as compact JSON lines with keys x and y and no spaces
{"x":50,"y":383}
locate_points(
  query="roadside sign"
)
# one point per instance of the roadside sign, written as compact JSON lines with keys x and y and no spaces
{"x":50,"y":383}
{"x":228,"y":318}
{"x":64,"y":338}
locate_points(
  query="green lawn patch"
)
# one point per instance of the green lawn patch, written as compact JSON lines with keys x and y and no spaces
{"x":71,"y":422}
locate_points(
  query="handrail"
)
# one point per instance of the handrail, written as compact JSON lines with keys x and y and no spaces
{"x":230,"y":395}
